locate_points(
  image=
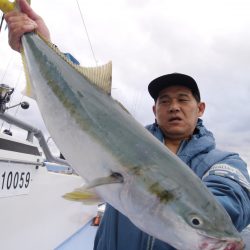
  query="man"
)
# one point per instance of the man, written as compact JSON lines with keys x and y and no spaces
{"x":177,"y":110}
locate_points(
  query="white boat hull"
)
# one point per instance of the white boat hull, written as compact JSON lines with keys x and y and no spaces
{"x":38,"y":218}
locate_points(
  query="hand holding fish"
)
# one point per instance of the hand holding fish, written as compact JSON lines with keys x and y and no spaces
{"x":23,"y":21}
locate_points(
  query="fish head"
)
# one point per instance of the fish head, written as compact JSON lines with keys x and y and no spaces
{"x":202,"y":234}
{"x":205,"y":228}
{"x":219,"y":231}
{"x":202,"y":225}
{"x":211,"y":235}
{"x":181,"y":221}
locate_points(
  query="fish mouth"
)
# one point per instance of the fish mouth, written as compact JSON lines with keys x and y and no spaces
{"x":222,"y":244}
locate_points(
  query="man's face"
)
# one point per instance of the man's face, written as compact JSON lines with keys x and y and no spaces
{"x":177,"y":112}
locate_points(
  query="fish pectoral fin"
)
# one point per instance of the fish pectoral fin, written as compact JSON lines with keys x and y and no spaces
{"x":87,"y":195}
{"x":113,"y":178}
{"x":84,"y":195}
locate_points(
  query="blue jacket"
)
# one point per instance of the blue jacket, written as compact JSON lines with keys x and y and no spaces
{"x":224,"y":173}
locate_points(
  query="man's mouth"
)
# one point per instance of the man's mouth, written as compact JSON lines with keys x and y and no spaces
{"x":173,"y":119}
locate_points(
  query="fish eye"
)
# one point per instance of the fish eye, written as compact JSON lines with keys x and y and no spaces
{"x":196,"y":221}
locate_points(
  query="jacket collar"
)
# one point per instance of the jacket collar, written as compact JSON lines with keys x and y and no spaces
{"x":201,"y":141}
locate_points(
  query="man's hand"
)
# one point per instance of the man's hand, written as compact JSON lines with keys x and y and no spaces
{"x":23,"y":21}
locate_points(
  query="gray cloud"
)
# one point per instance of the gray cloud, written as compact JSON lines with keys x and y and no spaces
{"x":208,"y":40}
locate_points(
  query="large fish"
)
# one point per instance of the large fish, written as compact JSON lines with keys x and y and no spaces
{"x":129,"y":168}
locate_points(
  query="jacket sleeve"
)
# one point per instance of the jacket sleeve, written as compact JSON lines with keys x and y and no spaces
{"x":228,"y":180}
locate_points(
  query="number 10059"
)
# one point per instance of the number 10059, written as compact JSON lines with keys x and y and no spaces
{"x":15,"y":180}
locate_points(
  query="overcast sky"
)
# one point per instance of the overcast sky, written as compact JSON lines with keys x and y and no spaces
{"x":209,"y":40}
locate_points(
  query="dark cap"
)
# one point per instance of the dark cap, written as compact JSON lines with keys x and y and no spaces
{"x":165,"y":81}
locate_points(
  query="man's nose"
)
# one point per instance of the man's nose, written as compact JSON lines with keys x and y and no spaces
{"x":174,"y":107}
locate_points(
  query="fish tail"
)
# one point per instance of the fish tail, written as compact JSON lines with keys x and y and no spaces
{"x":28,"y":88}
{"x":101,"y":76}
{"x":7,"y":6}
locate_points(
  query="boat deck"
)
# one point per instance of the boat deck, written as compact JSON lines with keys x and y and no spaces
{"x":83,"y":237}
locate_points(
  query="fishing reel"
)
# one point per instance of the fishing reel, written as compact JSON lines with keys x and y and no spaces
{"x":5,"y":93}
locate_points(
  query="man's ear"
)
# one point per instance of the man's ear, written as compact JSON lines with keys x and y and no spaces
{"x":201,"y":107}
{"x":154,"y":110}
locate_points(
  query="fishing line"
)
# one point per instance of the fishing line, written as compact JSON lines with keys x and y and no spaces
{"x":85,"y":27}
{"x":17,"y":81}
{"x":17,"y":109}
{"x":11,"y":97}
{"x":4,"y":74}
{"x":135,"y":103}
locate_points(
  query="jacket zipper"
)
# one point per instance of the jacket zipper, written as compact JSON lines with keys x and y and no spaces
{"x":150,"y":243}
{"x":183,"y":143}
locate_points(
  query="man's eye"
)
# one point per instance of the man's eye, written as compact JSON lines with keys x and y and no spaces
{"x":164,"y":101}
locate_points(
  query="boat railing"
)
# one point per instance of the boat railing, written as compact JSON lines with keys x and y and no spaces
{"x":5,"y":93}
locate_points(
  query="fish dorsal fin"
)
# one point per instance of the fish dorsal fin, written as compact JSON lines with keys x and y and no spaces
{"x":101,"y":76}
